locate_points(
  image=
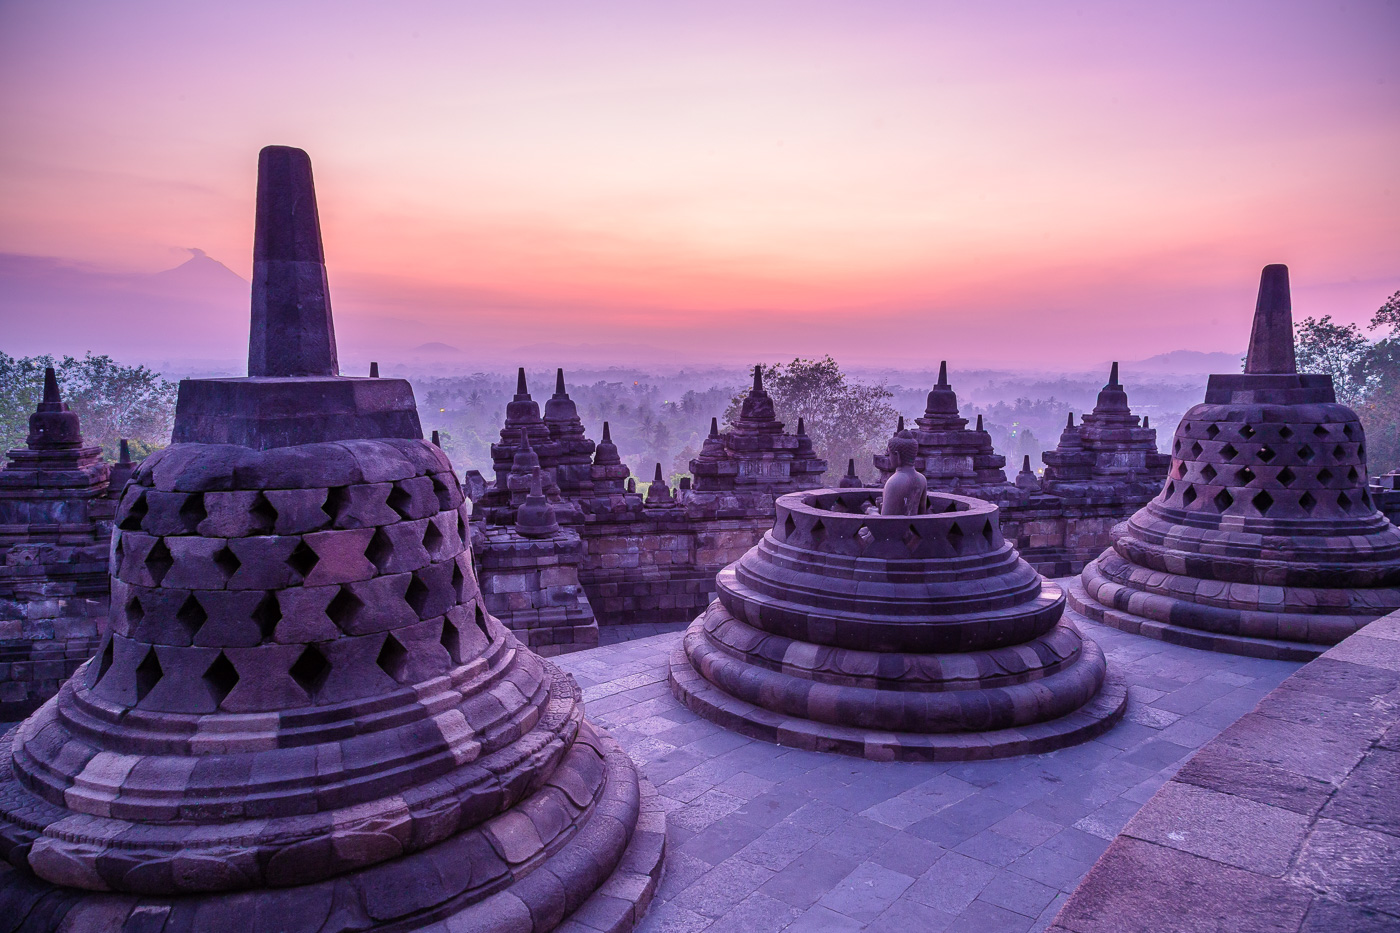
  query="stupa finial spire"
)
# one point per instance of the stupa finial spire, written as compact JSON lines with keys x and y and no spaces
{"x":559,"y":384}
{"x":943,"y":374}
{"x":758,"y":379}
{"x":1271,"y":338}
{"x":292,"y":333}
{"x":1113,"y":375}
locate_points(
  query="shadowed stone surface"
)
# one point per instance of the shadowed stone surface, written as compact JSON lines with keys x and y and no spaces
{"x":1265,"y":540}
{"x":911,"y":637}
{"x":304,"y":717}
{"x":56,"y":507}
{"x":1287,"y":821}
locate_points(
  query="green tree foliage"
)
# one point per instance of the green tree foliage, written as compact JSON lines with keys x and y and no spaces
{"x":844,"y":419}
{"x":1366,"y":373}
{"x":113,"y":401}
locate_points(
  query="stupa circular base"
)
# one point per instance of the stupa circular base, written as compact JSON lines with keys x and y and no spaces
{"x":412,"y":893}
{"x":1127,"y":621}
{"x":705,"y":699}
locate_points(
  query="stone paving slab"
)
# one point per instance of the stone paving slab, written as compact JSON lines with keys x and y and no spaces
{"x":764,"y":838}
{"x":1287,"y":821}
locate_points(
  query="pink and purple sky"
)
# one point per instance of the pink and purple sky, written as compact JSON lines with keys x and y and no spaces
{"x":1017,"y":183}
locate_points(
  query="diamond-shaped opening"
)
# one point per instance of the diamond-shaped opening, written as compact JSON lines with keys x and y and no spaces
{"x":118,"y":552}
{"x":452,"y":641}
{"x":1348,"y":431}
{"x":432,"y":538}
{"x":393,"y":657}
{"x":1307,"y":501}
{"x":911,"y":539}
{"x":459,"y":581}
{"x":1266,"y":453}
{"x":1361,"y":452}
{"x":1213,"y":430}
{"x":310,"y":670}
{"x":264,"y":515}
{"x":1168,"y":491}
{"x":1344,"y":501}
{"x":132,"y":520}
{"x":1286,"y":477}
{"x":1208,"y":472}
{"x":481,"y":621}
{"x":400,"y":500}
{"x":1324,"y":476}
{"x":379,"y":549}
{"x":227,"y":561}
{"x":135,"y":612}
{"x":221,"y":677}
{"x":1366,"y":498}
{"x":1196,"y":449}
{"x":1353,"y":475}
{"x":1189,"y":496}
{"x":988,"y":532}
{"x":1176,"y":446}
{"x":1339,"y":452}
{"x":303,"y":559}
{"x":416,"y":595}
{"x":956,"y":536}
{"x":789,"y":527}
{"x":1320,"y":430}
{"x":1229,"y":452}
{"x":461,"y":528}
{"x":101,"y":665}
{"x":1305,"y":453}
{"x":1246,"y":431}
{"x":1223,"y":500}
{"x":1245,"y":476}
{"x":1263,"y":501}
{"x":1181,"y":469}
{"x":343,"y":608}
{"x":148,"y":674}
{"x":443,"y":492}
{"x":191,"y":614}
{"x":267,"y":613}
{"x":336,"y":499}
{"x":159,"y":561}
{"x":1285,"y":432}
{"x":192,"y":511}
{"x":818,"y":533}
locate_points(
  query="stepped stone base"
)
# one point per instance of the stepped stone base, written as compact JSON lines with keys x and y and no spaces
{"x":412,"y":893}
{"x":1126,"y":621}
{"x":703,"y":698}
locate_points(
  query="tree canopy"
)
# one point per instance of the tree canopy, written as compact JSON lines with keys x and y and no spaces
{"x":113,"y":401}
{"x":1366,"y":374}
{"x":844,"y":419}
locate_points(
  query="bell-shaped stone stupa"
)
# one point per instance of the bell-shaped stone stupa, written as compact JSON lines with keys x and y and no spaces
{"x":303,"y":718}
{"x":1264,"y":541}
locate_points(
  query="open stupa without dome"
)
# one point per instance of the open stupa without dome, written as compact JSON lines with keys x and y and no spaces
{"x":302,"y":717}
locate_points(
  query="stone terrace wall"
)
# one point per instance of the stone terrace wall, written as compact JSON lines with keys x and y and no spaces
{"x":658,"y":565}
{"x":1288,"y":820}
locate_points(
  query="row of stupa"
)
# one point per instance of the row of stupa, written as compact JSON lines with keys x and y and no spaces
{"x":655,"y":559}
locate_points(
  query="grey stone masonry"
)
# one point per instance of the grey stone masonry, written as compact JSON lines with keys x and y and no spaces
{"x":532,"y":585}
{"x":1103,"y":470}
{"x":1265,"y":539}
{"x":55,"y":531}
{"x":1287,"y":821}
{"x":303,"y":716}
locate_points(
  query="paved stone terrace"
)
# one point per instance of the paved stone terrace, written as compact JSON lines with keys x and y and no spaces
{"x":1287,"y":821}
{"x":764,"y":838}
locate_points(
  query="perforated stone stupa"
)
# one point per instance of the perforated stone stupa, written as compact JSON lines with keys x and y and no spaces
{"x":915,"y":637}
{"x":1264,"y":540}
{"x":55,"y":530}
{"x":303,"y":717}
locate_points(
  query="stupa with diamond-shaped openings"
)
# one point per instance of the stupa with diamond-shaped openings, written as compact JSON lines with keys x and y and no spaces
{"x":303,"y":718}
{"x":1264,"y":541}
